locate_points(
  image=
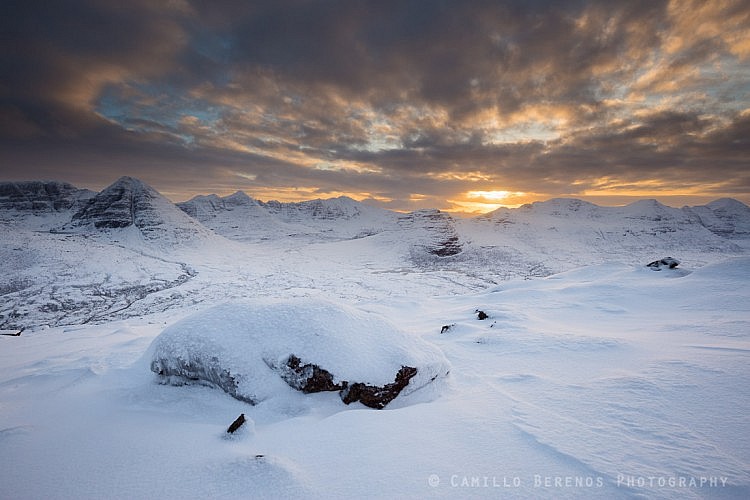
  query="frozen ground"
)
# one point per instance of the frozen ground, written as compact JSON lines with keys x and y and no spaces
{"x":608,"y":381}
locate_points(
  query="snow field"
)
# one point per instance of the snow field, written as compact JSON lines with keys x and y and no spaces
{"x":608,"y":381}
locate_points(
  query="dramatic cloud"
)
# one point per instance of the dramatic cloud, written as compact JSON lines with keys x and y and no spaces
{"x":451,"y":104}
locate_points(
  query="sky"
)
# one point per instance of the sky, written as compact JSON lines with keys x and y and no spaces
{"x":407,"y":104}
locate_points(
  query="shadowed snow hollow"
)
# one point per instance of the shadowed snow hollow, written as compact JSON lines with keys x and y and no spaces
{"x":257,"y":350}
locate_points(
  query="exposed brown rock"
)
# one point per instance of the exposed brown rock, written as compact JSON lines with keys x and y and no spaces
{"x":378,"y":397}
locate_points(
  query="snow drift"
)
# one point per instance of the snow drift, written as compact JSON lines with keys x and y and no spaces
{"x":256,"y":350}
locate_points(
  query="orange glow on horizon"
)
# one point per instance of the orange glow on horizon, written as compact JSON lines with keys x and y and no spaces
{"x":604,"y":192}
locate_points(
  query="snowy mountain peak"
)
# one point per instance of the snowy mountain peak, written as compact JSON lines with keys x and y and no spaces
{"x":239,"y":198}
{"x":729,"y":205}
{"x":130,"y":202}
{"x":652,"y":210}
{"x":725,"y":217}
{"x":117,"y":206}
{"x":556,"y":206}
{"x":646,"y":203}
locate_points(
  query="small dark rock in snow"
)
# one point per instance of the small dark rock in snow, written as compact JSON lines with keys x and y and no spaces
{"x":17,"y":334}
{"x":447,"y":328}
{"x":378,"y":397}
{"x":669,"y":262}
{"x":481,"y":314}
{"x":236,"y":424}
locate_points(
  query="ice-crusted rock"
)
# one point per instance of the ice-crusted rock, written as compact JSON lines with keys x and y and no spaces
{"x":257,"y":350}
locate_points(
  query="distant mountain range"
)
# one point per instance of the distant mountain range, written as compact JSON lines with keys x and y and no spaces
{"x":72,"y":255}
{"x":131,"y":203}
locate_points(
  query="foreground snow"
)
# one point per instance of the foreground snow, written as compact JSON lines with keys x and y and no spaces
{"x":608,"y":381}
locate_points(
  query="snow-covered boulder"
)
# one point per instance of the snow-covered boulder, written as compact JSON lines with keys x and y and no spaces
{"x":255,"y":350}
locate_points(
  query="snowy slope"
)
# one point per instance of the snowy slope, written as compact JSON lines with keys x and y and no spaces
{"x":51,"y":279}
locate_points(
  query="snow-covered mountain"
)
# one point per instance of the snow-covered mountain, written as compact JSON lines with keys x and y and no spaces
{"x":433,"y":232}
{"x":562,"y":232}
{"x":40,"y":204}
{"x":240,"y":217}
{"x":132,"y":204}
{"x":40,"y":197}
{"x":725,"y":217}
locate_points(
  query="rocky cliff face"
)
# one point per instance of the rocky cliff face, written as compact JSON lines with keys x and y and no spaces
{"x":438,"y":236}
{"x":41,"y":197}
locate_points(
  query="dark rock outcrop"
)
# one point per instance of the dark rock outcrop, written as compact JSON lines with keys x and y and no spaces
{"x":236,"y":424}
{"x":308,"y":378}
{"x":378,"y":397}
{"x":125,"y":203}
{"x":17,"y":334}
{"x":668,"y":262}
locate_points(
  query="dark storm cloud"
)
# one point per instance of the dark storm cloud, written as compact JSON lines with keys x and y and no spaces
{"x":391,"y":98}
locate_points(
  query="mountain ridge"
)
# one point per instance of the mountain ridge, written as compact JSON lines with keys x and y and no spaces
{"x":129,"y":202}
